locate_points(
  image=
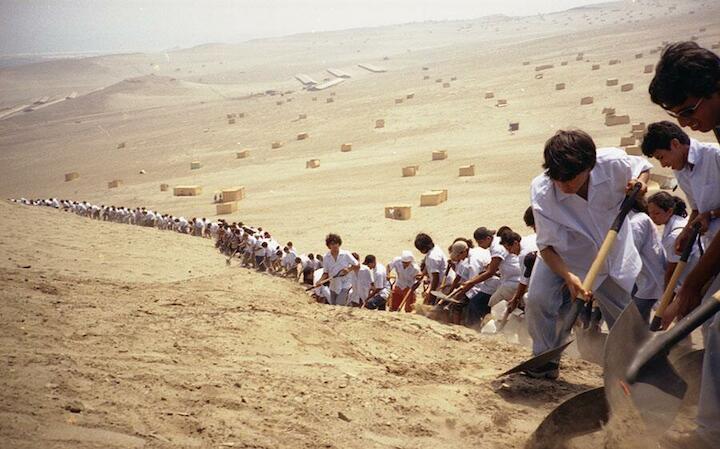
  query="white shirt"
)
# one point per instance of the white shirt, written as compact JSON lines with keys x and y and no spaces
{"x":471,"y":266}
{"x":435,"y":262}
{"x":576,"y":228}
{"x":361,"y":282}
{"x":671,"y":231}
{"x":509,"y":269}
{"x":405,"y":276}
{"x":701,"y":182}
{"x":323,"y":290}
{"x":485,"y":255}
{"x":332,"y":266}
{"x":380,"y":281}
{"x":651,"y":280}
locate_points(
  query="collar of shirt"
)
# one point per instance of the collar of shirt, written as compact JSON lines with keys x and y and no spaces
{"x":597,"y":177}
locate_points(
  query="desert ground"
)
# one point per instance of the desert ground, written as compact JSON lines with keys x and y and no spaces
{"x":117,"y":336}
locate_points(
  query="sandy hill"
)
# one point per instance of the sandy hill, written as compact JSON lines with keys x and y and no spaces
{"x":118,"y":336}
{"x":166,"y":127}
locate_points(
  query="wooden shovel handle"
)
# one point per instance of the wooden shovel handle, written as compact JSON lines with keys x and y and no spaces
{"x":597,"y":264}
{"x":677,"y":272}
{"x":610,"y":238}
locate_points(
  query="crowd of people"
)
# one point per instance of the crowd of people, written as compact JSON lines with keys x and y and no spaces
{"x":573,"y":204}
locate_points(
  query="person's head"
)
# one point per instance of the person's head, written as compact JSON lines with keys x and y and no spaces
{"x":569,"y":156}
{"x":511,"y":242}
{"x":311,"y":256}
{"x":529,"y":218}
{"x":407,"y":258}
{"x":662,"y":206}
{"x":264,"y":244}
{"x":289,"y":244}
{"x":424,"y":243}
{"x":503,"y":230}
{"x":458,"y":251}
{"x":298,"y":259}
{"x":687,"y":85}
{"x":333,"y":242}
{"x":484,"y":237}
{"x":286,"y":249}
{"x":370,"y":261}
{"x":668,"y":143}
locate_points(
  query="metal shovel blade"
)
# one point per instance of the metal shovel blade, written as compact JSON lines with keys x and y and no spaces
{"x":588,"y":411}
{"x":591,"y":344}
{"x":538,"y":360}
{"x":656,"y":394}
{"x":583,"y":413}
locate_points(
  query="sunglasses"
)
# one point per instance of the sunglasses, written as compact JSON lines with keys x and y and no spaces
{"x":686,"y":112}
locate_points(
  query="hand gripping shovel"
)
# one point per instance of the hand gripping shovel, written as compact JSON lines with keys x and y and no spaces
{"x":590,"y":339}
{"x":638,"y":375}
{"x":667,"y":296}
{"x":579,"y":303}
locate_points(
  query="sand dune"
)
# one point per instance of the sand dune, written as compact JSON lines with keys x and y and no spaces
{"x":163,"y":345}
{"x":136,"y":337}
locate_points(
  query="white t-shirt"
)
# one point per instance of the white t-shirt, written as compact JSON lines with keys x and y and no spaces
{"x":651,"y":279}
{"x":380,"y":280}
{"x":405,"y":276}
{"x":435,"y":262}
{"x":332,"y":266}
{"x":323,"y":290}
{"x":361,"y":282}
{"x":485,"y":256}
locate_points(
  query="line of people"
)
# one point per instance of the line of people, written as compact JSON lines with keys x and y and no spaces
{"x":573,"y":204}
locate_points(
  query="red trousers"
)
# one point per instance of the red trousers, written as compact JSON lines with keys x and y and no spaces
{"x":397,"y":297}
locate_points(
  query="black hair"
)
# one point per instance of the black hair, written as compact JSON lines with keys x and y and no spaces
{"x":660,"y":134}
{"x":356,"y":255}
{"x":685,"y":70}
{"x":369,"y":259}
{"x":529,"y":217}
{"x":509,"y":237}
{"x":666,"y":202}
{"x":567,"y":154}
{"x":468,"y":242}
{"x":482,"y":233}
{"x":503,"y":230}
{"x":424,"y":243}
{"x":333,"y":238}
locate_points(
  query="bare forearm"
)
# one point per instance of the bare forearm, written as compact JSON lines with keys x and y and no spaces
{"x":555,"y":262}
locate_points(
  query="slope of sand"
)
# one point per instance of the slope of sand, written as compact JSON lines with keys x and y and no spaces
{"x":170,"y":109}
{"x":146,"y":337}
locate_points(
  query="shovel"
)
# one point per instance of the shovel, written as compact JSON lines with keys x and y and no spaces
{"x":638,"y":375}
{"x":579,"y":303}
{"x":667,"y":296}
{"x":588,"y":411}
{"x":590,"y":339}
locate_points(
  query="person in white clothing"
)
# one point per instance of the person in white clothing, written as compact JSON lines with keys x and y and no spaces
{"x":377,"y":298}
{"x":650,"y":282}
{"x":509,"y":269}
{"x":321,"y":293}
{"x":670,"y":212}
{"x":434,"y":265}
{"x":528,"y":248}
{"x":407,"y":272}
{"x":336,"y":265}
{"x":361,"y":279}
{"x":487,"y":280}
{"x":574,"y":204}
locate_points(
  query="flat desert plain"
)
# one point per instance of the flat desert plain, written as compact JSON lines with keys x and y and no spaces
{"x":117,"y":336}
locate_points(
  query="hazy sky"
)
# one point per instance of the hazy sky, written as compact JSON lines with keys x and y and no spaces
{"x":49,"y":26}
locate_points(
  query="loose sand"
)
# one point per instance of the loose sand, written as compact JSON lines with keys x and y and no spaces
{"x":155,"y":341}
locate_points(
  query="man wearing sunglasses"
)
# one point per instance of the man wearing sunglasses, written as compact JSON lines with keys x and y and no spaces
{"x":687,"y":86}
